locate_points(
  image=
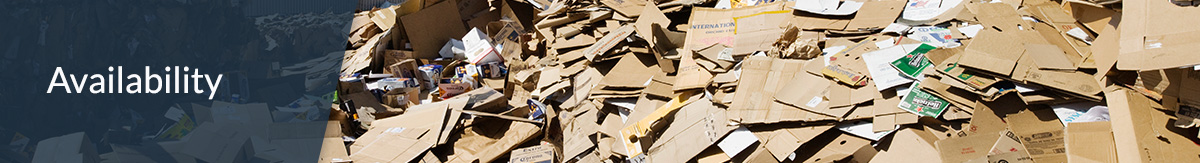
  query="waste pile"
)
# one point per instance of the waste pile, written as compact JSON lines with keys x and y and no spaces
{"x":769,"y":81}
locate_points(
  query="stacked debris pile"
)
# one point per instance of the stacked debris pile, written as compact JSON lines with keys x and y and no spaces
{"x":770,"y":81}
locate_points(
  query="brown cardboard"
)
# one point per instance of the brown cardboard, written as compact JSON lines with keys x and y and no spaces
{"x":402,"y":97}
{"x":1009,"y":143}
{"x":1135,"y":125}
{"x":761,"y":78}
{"x":435,"y":117}
{"x":839,"y":148}
{"x":629,"y":8}
{"x":632,"y":71}
{"x":1092,"y":16}
{"x":876,"y":14}
{"x":785,"y":141}
{"x":1075,"y":82}
{"x":758,"y":154}
{"x":844,"y":76}
{"x":640,"y":128}
{"x":1075,"y":48}
{"x":709,"y":25}
{"x":666,"y":46}
{"x":715,"y":58}
{"x":961,"y":149}
{"x":989,"y":115}
{"x":959,"y":98}
{"x":997,"y":15}
{"x":333,"y":150}
{"x":1010,"y":157}
{"x":489,"y":138}
{"x":1154,"y":37}
{"x":838,"y":96}
{"x":805,"y":20}
{"x":1187,"y":112}
{"x":909,"y":145}
{"x":535,"y":154}
{"x":1090,"y":142}
{"x":1049,"y":57}
{"x":368,"y":108}
{"x":993,"y":51}
{"x":645,"y":23}
{"x":1041,"y":133}
{"x":580,"y":124}
{"x":396,"y":145}
{"x":384,"y":18}
{"x":577,"y":41}
{"x":696,"y":126}
{"x":690,"y":74}
{"x":353,"y":61}
{"x":757,"y":31}
{"x":712,"y":155}
{"x":887,"y":117}
{"x":1105,"y":51}
{"x":428,"y":30}
{"x":610,"y":40}
{"x":970,"y":78}
{"x":392,"y":57}
{"x":809,"y":96}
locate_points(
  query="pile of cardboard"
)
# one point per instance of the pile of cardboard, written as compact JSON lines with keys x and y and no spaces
{"x":770,"y":81}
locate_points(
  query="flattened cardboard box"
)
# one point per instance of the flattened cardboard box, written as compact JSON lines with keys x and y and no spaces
{"x":333,"y":150}
{"x":910,"y":145}
{"x":1041,"y":133}
{"x":1090,"y":142}
{"x":876,"y":14}
{"x":961,"y":149}
{"x":993,"y":51}
{"x":535,"y":154}
{"x":709,"y":25}
{"x":697,"y":126}
{"x":1134,"y":121}
{"x":761,"y":78}
{"x":487,"y":139}
{"x":397,"y":145}
{"x":1154,"y":37}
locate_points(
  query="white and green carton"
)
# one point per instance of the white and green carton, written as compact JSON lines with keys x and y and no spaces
{"x":922,"y":103}
{"x":912,"y":64}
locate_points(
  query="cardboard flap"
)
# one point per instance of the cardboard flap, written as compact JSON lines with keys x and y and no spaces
{"x":696,"y":127}
{"x":1090,"y":142}
{"x":600,"y":49}
{"x":1041,"y":133}
{"x":961,"y":149}
{"x":909,"y":145}
{"x":1049,"y":57}
{"x":1074,"y":82}
{"x":632,"y":71}
{"x":876,"y":14}
{"x":1154,"y":37}
{"x":993,"y":51}
{"x":838,"y":148}
{"x":806,"y":91}
{"x":998,"y":15}
{"x":785,"y":142}
{"x":1133,"y":124}
{"x":828,"y":7}
{"x":428,"y":30}
{"x":629,"y":8}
